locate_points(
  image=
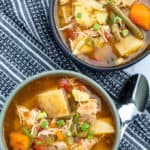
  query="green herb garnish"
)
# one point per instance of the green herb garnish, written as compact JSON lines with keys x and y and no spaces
{"x":41,"y":115}
{"x":96,"y":27}
{"x":44,"y":124}
{"x":79,"y":15}
{"x":26,"y":132}
{"x":84,"y":126}
{"x":60,"y":123}
{"x":90,"y":136}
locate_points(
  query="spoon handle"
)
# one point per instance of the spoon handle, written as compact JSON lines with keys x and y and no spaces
{"x":123,"y":129}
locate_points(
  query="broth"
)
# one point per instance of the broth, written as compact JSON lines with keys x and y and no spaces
{"x":32,"y":98}
{"x":99,"y":36}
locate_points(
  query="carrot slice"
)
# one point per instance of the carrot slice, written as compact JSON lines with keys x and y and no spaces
{"x":140,"y":15}
{"x":59,"y":135}
{"x":19,"y":141}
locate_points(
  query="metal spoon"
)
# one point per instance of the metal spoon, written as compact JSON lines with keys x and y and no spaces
{"x":133,"y":99}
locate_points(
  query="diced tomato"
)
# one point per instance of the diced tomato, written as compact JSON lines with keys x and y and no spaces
{"x":36,"y":147}
{"x":38,"y":144}
{"x":108,"y":36}
{"x":64,"y":83}
{"x":70,"y":34}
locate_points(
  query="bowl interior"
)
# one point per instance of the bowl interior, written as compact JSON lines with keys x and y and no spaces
{"x":54,"y":22}
{"x":98,"y":89}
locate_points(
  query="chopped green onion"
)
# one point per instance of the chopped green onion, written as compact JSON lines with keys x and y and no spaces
{"x":60,"y":123}
{"x":39,"y":142}
{"x":41,"y":115}
{"x":85,"y":126}
{"x":109,"y":21}
{"x":96,"y":27}
{"x":90,"y":136}
{"x":89,"y":42}
{"x":125,"y":32}
{"x":68,"y":133}
{"x":76,"y":118}
{"x":26,"y":132}
{"x":79,"y":15}
{"x":44,"y":124}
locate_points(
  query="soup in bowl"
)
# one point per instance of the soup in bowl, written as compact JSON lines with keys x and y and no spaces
{"x":59,"y":110}
{"x":101,"y":33}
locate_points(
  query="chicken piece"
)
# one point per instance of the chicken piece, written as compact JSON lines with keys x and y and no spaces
{"x":88,"y":144}
{"x":19,"y":141}
{"x":80,"y":96}
{"x":103,"y":126}
{"x":61,"y":146}
{"x":54,"y":102}
{"x":129,"y":45}
{"x":91,"y":33}
{"x":88,"y":110}
{"x":88,"y":107}
{"x":84,"y":144}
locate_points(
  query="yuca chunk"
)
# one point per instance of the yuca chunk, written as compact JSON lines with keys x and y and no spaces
{"x":103,"y":126}
{"x":54,"y":102}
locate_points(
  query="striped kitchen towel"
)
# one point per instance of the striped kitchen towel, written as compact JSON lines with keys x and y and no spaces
{"x":27,"y":48}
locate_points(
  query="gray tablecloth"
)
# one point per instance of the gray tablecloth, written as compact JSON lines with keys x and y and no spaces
{"x":27,"y":48}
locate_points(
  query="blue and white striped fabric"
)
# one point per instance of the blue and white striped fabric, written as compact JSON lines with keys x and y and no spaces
{"x":27,"y":48}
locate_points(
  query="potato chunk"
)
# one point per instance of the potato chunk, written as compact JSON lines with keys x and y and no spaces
{"x":83,"y":16}
{"x":54,"y":102}
{"x":103,"y":126}
{"x":102,"y":17}
{"x":80,"y":96}
{"x":129,"y":45}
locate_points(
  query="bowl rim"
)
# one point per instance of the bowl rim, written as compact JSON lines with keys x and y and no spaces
{"x":81,"y":77}
{"x":68,"y":53}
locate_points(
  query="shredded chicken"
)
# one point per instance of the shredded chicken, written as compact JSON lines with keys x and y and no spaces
{"x":88,"y":144}
{"x":67,"y":126}
{"x":46,"y":132}
{"x":27,"y":116}
{"x":91,"y":33}
{"x":61,"y":146}
{"x":34,"y":129}
{"x":21,"y":110}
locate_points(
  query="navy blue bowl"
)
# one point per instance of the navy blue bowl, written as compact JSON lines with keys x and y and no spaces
{"x":57,"y":35}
